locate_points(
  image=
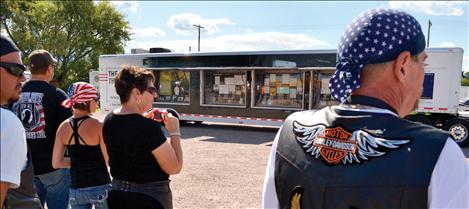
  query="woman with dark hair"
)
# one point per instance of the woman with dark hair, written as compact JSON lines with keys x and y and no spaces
{"x":82,"y":136}
{"x":140,"y":156}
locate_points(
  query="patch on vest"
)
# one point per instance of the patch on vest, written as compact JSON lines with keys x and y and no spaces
{"x":295,"y":197}
{"x":336,"y":145}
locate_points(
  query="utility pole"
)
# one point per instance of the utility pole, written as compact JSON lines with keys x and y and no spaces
{"x":428,"y":36}
{"x":198,"y":27}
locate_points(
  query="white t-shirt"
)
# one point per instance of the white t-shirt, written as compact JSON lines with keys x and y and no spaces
{"x":449,"y":184}
{"x":13,"y":148}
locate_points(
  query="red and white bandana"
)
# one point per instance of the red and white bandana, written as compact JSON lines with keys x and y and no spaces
{"x":80,"y":92}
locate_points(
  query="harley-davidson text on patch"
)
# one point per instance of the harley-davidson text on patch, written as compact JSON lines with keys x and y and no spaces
{"x":337,"y":145}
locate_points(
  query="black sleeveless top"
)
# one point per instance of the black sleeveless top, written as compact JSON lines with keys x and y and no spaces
{"x":88,"y":167}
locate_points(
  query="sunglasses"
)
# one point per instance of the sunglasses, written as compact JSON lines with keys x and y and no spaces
{"x":151,"y":90}
{"x":14,"y":68}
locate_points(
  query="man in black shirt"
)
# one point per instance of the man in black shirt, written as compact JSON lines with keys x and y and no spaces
{"x":41,"y":113}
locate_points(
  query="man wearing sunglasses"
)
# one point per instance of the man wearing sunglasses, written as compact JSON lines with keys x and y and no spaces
{"x":40,"y":112}
{"x":16,"y":170}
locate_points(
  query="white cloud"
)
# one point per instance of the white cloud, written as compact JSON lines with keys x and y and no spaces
{"x":436,"y":8}
{"x":184,"y":23}
{"x":126,"y":5}
{"x":447,"y":44}
{"x":148,"y":32}
{"x":244,"y":42}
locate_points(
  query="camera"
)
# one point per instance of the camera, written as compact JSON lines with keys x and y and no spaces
{"x":158,"y":114}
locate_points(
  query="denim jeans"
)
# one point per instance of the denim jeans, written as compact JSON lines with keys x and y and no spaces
{"x":53,"y":188}
{"x":85,"y":198}
{"x":159,"y":190}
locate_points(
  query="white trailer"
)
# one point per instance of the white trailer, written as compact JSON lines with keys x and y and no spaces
{"x":439,"y":104}
{"x":300,"y":84}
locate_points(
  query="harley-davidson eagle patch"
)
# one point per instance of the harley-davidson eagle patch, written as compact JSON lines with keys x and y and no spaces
{"x":336,"y":145}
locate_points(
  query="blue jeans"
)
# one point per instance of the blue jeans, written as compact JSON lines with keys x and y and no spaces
{"x":53,"y":187}
{"x":85,"y":198}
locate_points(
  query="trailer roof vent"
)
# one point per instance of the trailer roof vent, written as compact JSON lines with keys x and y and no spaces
{"x":159,"y":50}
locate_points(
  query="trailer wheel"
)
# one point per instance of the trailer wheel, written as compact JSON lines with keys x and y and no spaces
{"x":459,"y":130}
{"x":419,"y":118}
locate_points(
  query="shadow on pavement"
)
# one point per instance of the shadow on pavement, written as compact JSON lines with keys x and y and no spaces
{"x":227,"y":133}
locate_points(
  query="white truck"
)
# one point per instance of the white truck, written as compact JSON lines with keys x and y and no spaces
{"x":438,"y":105}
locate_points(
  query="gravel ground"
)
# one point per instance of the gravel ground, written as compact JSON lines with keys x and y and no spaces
{"x":223,"y":167}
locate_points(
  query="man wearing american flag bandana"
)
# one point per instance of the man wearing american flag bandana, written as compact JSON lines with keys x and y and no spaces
{"x":362,"y":153}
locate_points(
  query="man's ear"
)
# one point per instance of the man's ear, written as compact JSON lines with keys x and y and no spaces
{"x":400,"y":65}
{"x":50,"y":68}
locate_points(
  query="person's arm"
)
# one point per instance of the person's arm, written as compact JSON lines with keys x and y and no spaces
{"x":169,"y":154}
{"x":3,"y":192}
{"x":13,"y":149}
{"x":269,"y":193}
{"x":58,"y":159}
{"x":449,"y":185}
{"x":102,"y":145}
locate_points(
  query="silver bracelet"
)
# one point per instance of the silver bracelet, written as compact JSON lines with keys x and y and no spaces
{"x":175,"y":134}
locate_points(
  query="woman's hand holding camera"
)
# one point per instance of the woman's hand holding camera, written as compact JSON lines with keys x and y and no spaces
{"x":172,"y":124}
{"x":170,"y":121}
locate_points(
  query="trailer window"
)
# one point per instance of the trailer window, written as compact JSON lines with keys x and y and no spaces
{"x":172,"y":86}
{"x":321,"y":95}
{"x":278,"y":89}
{"x":428,"y":82}
{"x":224,"y":88}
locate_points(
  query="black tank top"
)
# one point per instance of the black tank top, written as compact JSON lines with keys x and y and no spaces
{"x":88,"y":167}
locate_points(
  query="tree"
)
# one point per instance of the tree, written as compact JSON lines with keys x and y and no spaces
{"x":75,"y":32}
{"x":464,"y":81}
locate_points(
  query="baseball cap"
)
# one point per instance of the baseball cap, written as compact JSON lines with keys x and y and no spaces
{"x":7,"y":46}
{"x":40,"y":59}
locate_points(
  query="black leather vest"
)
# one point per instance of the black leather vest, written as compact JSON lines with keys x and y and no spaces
{"x":336,"y":158}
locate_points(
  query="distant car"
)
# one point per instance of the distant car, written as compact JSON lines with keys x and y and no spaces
{"x":464,"y":102}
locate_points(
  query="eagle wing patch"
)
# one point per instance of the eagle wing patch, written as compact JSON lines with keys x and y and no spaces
{"x":336,"y":145}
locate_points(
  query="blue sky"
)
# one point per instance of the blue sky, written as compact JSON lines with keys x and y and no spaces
{"x":263,"y":25}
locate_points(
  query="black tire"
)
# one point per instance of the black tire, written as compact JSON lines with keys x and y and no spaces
{"x":459,"y":130}
{"x":419,"y":118}
{"x":197,"y":122}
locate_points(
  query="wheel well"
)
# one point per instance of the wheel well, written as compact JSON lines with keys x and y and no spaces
{"x":437,"y":119}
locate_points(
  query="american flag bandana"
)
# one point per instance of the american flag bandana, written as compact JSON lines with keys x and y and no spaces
{"x":80,"y":92}
{"x":375,"y":36}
